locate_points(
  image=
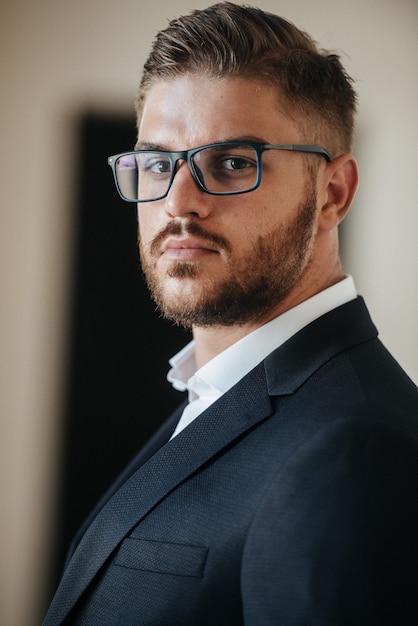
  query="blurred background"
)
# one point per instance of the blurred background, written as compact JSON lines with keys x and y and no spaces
{"x":76,"y":363}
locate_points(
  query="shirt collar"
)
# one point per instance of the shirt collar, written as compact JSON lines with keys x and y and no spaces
{"x":227,"y":368}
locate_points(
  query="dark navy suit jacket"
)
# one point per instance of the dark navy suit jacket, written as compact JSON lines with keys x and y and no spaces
{"x":291,"y":501}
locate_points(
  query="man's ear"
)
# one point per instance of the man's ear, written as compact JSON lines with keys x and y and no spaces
{"x":338,"y":185}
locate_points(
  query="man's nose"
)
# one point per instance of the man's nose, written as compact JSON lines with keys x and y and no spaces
{"x":185,"y":197}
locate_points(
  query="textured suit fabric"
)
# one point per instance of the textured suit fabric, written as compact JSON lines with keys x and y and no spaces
{"x":291,"y":501}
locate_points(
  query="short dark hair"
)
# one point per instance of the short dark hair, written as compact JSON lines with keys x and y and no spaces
{"x":229,"y":40}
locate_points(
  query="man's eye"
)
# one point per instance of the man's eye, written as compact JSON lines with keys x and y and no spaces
{"x":156,"y":165}
{"x":236,"y":163}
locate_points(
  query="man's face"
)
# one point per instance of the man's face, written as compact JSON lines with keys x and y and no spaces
{"x":223,"y":260}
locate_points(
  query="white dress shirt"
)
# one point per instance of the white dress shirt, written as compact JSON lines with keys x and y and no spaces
{"x":211,"y":381}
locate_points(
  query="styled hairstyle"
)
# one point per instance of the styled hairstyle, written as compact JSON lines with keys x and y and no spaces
{"x":228,"y":40}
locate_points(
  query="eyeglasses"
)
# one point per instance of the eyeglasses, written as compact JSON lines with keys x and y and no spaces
{"x":221,"y":169}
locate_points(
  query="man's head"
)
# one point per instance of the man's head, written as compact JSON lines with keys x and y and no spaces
{"x":228,"y":40}
{"x":234,"y":76}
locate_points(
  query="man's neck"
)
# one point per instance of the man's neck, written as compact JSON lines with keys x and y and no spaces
{"x":212,"y":340}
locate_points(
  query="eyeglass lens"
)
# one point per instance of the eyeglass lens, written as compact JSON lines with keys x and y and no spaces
{"x":147,"y":175}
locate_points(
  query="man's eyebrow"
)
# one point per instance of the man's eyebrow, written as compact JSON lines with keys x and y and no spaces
{"x":249,"y":138}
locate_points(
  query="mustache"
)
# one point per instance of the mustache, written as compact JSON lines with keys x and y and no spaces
{"x":191,"y":228}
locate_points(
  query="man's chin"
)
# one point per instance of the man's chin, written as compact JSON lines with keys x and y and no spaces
{"x":177,"y":299}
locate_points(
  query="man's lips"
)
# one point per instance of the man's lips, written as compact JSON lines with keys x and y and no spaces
{"x":186,"y":248}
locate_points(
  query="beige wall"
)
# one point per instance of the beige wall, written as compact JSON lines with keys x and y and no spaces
{"x":56,"y":59}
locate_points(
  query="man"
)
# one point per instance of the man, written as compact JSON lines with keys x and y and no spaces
{"x":285,"y":492}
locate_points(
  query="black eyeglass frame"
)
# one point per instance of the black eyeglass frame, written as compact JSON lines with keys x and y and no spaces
{"x":187,"y":156}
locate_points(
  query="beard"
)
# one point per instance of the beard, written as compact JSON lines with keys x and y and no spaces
{"x":256,"y":282}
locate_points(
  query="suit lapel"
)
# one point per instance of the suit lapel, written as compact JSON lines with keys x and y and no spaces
{"x":232,"y":415}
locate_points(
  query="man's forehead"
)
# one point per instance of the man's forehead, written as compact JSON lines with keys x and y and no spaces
{"x":200,"y":106}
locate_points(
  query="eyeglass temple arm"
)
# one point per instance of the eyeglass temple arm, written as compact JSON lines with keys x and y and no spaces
{"x":300,"y":148}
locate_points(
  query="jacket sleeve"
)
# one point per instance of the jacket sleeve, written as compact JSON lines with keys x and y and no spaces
{"x":335,"y":541}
